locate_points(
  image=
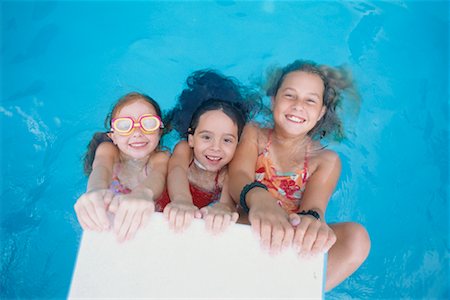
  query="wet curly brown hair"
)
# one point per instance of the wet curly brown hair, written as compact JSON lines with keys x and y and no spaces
{"x":336,"y":82}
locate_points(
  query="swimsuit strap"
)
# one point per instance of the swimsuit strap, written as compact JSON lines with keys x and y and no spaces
{"x":305,"y":161}
{"x":269,"y":142}
{"x":116,"y":170}
{"x":216,"y":179}
{"x":305,"y":167}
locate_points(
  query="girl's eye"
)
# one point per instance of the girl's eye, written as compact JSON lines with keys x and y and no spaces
{"x":289,"y":96}
{"x":205,"y":137}
{"x":311,"y":100}
{"x":228,"y":141}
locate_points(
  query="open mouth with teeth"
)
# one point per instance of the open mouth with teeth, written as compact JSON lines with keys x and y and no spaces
{"x":213,"y":159}
{"x":295,"y":119}
{"x":138,"y":145}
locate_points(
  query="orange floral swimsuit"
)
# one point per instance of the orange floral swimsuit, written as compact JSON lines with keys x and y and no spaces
{"x":286,"y":187}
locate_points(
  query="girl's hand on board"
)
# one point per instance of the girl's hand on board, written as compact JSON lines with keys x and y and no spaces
{"x":311,"y":236}
{"x":180,"y":215}
{"x":218,"y":217}
{"x":132,"y":212}
{"x":270,"y":222}
{"x":91,"y":208}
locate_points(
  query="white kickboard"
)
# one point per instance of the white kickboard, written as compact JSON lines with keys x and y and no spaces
{"x":159,"y":263}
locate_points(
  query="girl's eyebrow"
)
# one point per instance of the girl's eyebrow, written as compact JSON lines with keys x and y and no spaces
{"x":314,"y":94}
{"x":230,"y":135}
{"x":207,"y":131}
{"x":294,"y":90}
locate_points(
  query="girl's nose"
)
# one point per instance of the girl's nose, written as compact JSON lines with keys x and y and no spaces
{"x":298,"y":105}
{"x":137,"y":132}
{"x":216,"y":145}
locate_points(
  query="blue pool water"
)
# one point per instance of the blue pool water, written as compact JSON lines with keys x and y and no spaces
{"x":64,"y":63}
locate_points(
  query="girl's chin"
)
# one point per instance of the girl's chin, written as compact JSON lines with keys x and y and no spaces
{"x":133,"y":154}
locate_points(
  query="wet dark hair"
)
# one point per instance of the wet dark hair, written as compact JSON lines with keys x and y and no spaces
{"x":335,"y":80}
{"x":100,"y":137}
{"x":234,"y":110}
{"x":203,"y":85}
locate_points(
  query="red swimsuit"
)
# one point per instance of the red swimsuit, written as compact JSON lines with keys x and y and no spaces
{"x":200,"y":197}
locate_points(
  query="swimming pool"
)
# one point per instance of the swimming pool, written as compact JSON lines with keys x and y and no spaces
{"x":64,"y":63}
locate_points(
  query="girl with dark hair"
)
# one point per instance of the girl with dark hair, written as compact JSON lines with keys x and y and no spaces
{"x":197,"y":181}
{"x":198,"y":177}
{"x":129,"y":170}
{"x":283,"y":177}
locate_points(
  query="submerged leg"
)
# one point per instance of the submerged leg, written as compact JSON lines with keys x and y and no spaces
{"x":347,"y":254}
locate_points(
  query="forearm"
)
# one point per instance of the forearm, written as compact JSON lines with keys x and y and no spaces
{"x":178,"y":185}
{"x":238,"y":179}
{"x":155,"y":183}
{"x":100,"y":178}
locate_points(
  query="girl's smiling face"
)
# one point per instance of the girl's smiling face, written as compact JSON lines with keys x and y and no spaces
{"x":214,"y":140}
{"x":137,"y":144}
{"x":298,"y":103}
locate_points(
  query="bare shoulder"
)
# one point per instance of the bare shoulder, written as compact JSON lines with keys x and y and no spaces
{"x":255,"y":135}
{"x":251,"y":130}
{"x":160,"y":156}
{"x":107,"y":148}
{"x":327,"y":159}
{"x":182,"y":146}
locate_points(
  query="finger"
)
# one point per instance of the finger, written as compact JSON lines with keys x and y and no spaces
{"x":319,"y":243}
{"x":209,"y":222}
{"x":84,"y":219}
{"x":135,"y":225}
{"x":119,"y":219}
{"x":188,"y":217}
{"x":288,"y":237}
{"x":80,"y":214}
{"x":146,"y":216}
{"x":114,"y":205}
{"x":330,"y":242}
{"x":266,"y":234}
{"x":276,"y":239}
{"x":225,"y":223}
{"x":179,"y":221}
{"x":256,"y":226}
{"x":172,"y":213}
{"x":204,"y":211}
{"x":100,"y":212}
{"x":198,"y":214}
{"x":298,"y":239}
{"x":309,"y":239}
{"x":217,"y":223}
{"x":92,"y":216}
{"x":166,"y":211}
{"x":108,"y":197}
{"x":294,"y":219}
{"x":126,"y":225}
{"x":234,"y":217}
{"x":83,"y":225}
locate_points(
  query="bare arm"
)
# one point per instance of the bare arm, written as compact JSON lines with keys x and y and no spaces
{"x":268,"y":220}
{"x":180,"y":211}
{"x":102,"y":167}
{"x":321,"y":183}
{"x":311,"y":235}
{"x":221,"y":214}
{"x":225,"y":197}
{"x":177,"y":179}
{"x":132,"y":211}
{"x":153,"y":185}
{"x":91,"y":206}
{"x":241,"y":169}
